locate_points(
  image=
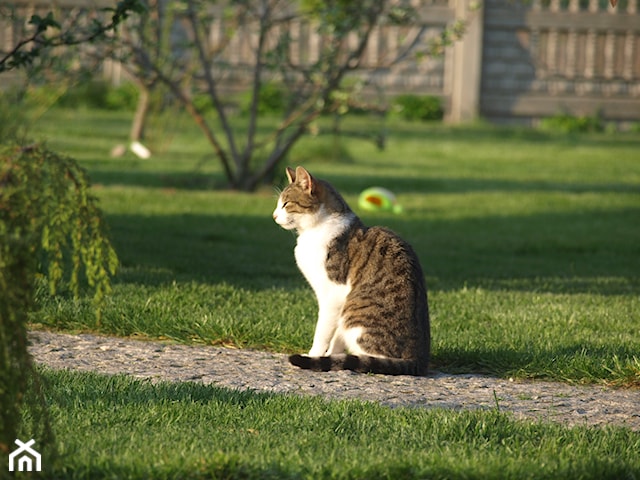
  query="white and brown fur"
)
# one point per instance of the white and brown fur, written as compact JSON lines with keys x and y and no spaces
{"x":373,"y":314}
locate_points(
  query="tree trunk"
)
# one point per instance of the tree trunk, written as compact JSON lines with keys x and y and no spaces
{"x":140,"y":117}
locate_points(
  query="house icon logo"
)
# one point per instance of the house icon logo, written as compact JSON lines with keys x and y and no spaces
{"x":23,"y":457}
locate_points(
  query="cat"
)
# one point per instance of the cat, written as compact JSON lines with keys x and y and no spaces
{"x":373,"y":314}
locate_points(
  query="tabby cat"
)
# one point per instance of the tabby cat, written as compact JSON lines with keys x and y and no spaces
{"x":372,"y":300}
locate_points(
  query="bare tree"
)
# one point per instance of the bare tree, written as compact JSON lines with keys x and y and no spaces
{"x":174,"y":42}
{"x":189,"y":47}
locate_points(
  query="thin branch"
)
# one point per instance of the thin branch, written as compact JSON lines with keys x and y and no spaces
{"x":264,"y":26}
{"x":406,"y":50}
{"x":355,"y":57}
{"x":211,"y":83}
{"x":120,"y":13}
{"x":280,"y":151}
{"x":200,"y":121}
{"x":292,"y":119}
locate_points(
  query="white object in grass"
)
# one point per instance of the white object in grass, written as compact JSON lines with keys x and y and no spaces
{"x":140,"y":150}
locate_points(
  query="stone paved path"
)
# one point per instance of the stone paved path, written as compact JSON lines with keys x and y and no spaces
{"x":269,"y":372}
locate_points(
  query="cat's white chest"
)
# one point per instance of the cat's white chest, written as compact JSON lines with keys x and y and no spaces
{"x":311,"y":255}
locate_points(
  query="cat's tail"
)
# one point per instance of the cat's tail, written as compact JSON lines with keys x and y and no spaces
{"x":359,"y":363}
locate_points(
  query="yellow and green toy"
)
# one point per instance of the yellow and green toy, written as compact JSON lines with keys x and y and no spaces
{"x":378,"y":199}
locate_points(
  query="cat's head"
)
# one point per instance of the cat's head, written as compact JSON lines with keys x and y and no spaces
{"x":307,"y":201}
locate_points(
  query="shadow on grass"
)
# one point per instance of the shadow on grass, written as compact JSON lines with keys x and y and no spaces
{"x":124,"y":390}
{"x":589,"y":251}
{"x":435,"y":185}
{"x":353,"y":185}
{"x":89,"y":392}
{"x":577,"y":363}
{"x":246,"y":251}
{"x":178,"y":180}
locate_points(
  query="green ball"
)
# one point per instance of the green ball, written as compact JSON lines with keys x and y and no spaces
{"x":378,"y":199}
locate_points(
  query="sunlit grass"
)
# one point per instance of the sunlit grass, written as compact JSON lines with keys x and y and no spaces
{"x":117,"y":427}
{"x":529,"y":242}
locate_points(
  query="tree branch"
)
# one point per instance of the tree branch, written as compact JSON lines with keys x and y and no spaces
{"x":212,"y":88}
{"x":200,"y":121}
{"x":16,"y":58}
{"x":264,"y":26}
{"x":280,"y":151}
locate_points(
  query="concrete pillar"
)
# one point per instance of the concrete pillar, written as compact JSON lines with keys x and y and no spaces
{"x":467,"y":64}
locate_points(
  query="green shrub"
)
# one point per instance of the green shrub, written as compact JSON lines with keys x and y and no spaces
{"x":567,"y":123}
{"x":45,"y":201}
{"x":416,"y":107}
{"x":272,"y":99}
{"x":49,"y":222}
{"x":202,"y":102}
{"x":90,"y":94}
{"x":122,"y":97}
{"x":12,"y":117}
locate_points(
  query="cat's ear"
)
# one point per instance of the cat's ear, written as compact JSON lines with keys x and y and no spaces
{"x":304,"y":179}
{"x":291,"y":174}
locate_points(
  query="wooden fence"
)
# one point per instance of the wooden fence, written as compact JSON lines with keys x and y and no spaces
{"x":580,"y":57}
{"x":517,"y":61}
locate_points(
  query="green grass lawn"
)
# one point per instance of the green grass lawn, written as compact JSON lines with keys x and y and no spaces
{"x":117,"y":427}
{"x":530,"y":243}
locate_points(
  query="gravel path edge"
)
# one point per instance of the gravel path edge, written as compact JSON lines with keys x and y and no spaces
{"x":270,"y":372}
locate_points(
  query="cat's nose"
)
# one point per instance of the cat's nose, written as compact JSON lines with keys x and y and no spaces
{"x":274,"y":215}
